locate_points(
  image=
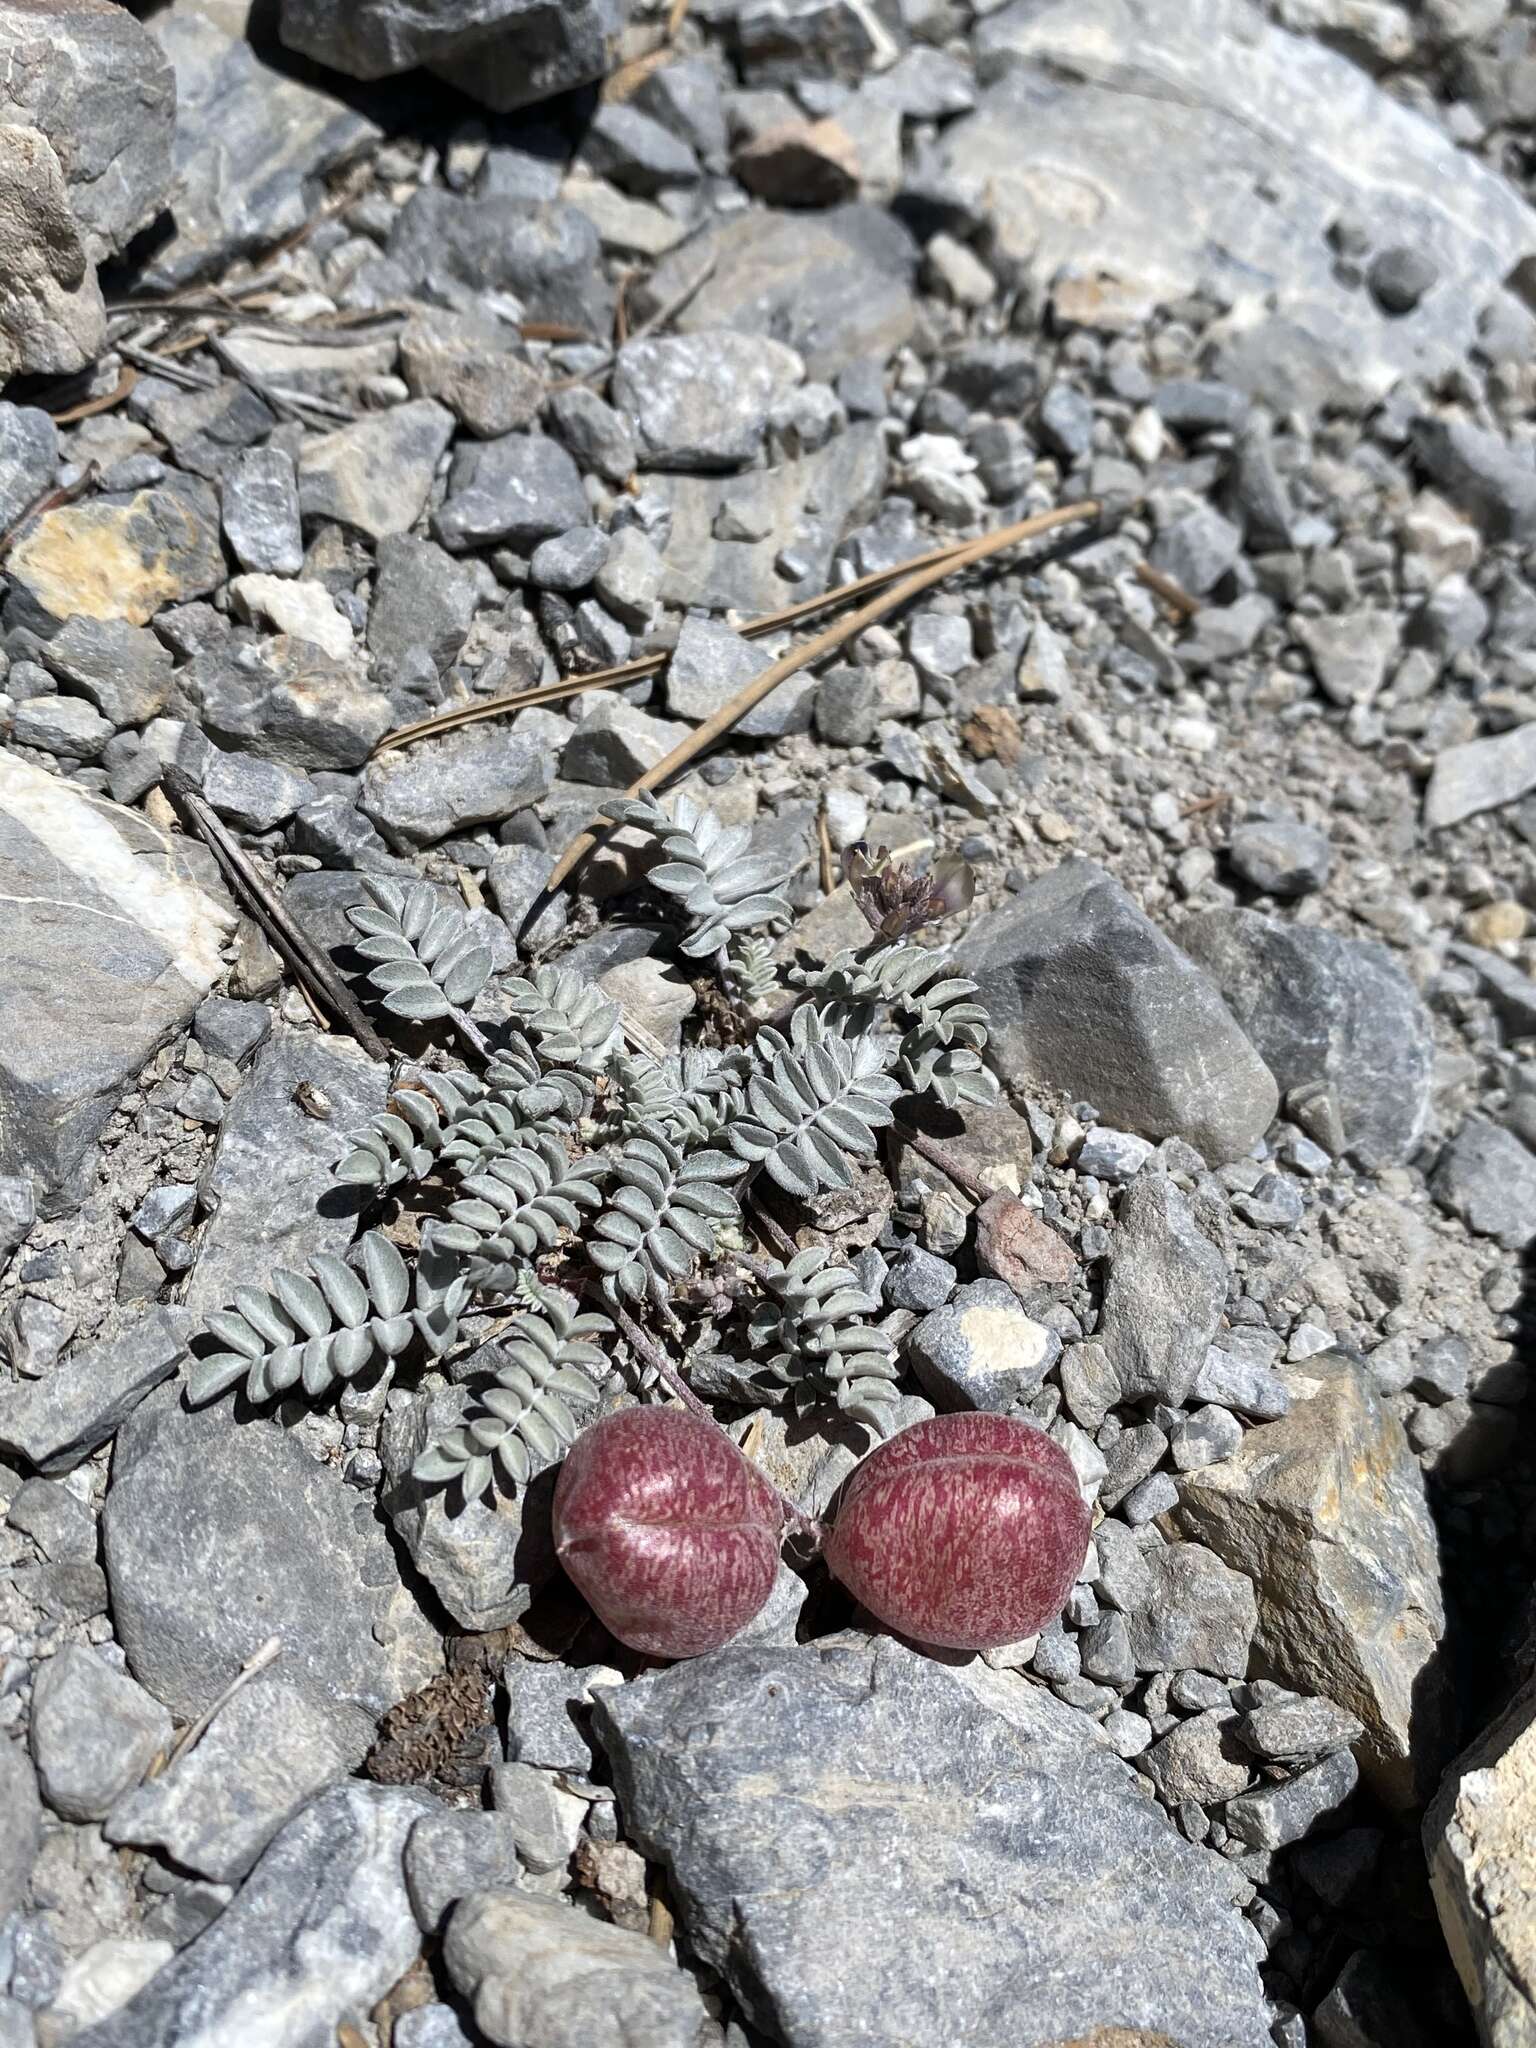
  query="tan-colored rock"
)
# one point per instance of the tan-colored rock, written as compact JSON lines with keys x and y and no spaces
{"x":1480,"y":1839}
{"x":120,"y":561}
{"x":52,"y":320}
{"x":1325,"y":1511}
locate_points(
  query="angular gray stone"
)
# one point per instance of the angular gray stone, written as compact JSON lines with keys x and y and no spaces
{"x":260,"y":494}
{"x":96,"y":84}
{"x":219,"y":1534}
{"x":257,"y":1220}
{"x":1325,"y":1511}
{"x":111,"y":941}
{"x":616,"y":743}
{"x":56,"y":1421}
{"x":321,"y":1929}
{"x":21,"y":1823}
{"x":827,"y":1811}
{"x":547,"y":1718}
{"x":268,"y":1752}
{"x":1164,"y":1296}
{"x":520,"y":490}
{"x":277,"y":141}
{"x":1322,"y":1008}
{"x":423,"y":604}
{"x":547,"y":255}
{"x":836,"y":288}
{"x":124,"y":670}
{"x":546,"y":1822}
{"x":1281,"y":856}
{"x":701,"y":401}
{"x":94,"y":1732}
{"x":596,"y":435}
{"x":1276,"y":1815}
{"x":375,"y":474}
{"x":473,"y":42}
{"x":1199,"y":1759}
{"x":1351,"y":652}
{"x":535,"y":1970}
{"x":1482,"y":473}
{"x":63,"y":1528}
{"x":52,"y":319}
{"x":982,"y":1350}
{"x":709,"y":664}
{"x":66,"y":726}
{"x":1477,"y":1836}
{"x":1199,"y":1614}
{"x":569,"y":561}
{"x":419,"y":794}
{"x":1085,"y":994}
{"x":29,"y":456}
{"x":473,"y":365}
{"x":1488,"y":1178}
{"x":1294,"y":1730}
{"x":485,"y":1559}
{"x":1480,"y":775}
{"x":797,"y":512}
{"x":1240,"y":1384}
{"x":1077,"y":180}
{"x":449,"y":1855}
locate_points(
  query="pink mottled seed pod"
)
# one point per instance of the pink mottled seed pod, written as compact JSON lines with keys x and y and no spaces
{"x":666,"y":1530}
{"x":965,"y":1532}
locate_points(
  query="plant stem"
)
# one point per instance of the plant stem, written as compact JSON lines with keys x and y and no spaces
{"x":470,"y":1032}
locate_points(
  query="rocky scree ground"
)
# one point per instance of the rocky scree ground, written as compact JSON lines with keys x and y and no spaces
{"x":331,"y":374}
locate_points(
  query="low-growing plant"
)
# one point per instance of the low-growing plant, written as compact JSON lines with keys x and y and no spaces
{"x":576,"y":1202}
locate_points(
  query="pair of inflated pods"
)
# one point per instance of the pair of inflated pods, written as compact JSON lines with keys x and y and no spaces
{"x":963,"y":1532}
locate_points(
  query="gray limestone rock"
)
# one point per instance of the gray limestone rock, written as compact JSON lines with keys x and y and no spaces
{"x":423,"y":603}
{"x":1325,"y":1512}
{"x":29,"y":456}
{"x":465,"y":39}
{"x":419,"y":794}
{"x":1351,"y":652}
{"x":52,"y":319}
{"x":982,"y":1350}
{"x":1322,"y":1008}
{"x":56,"y":1421}
{"x":277,"y":140}
{"x":374,"y":475}
{"x":701,"y":401}
{"x":1487,"y":1177}
{"x":1481,"y":775}
{"x":269,"y":1752}
{"x":761,"y":539}
{"x":450,"y":1855}
{"x":1164,"y":1296}
{"x":545,"y":255}
{"x":1199,"y":1759}
{"x":827,"y":1811}
{"x":63,"y":1528}
{"x":1198,"y":1615}
{"x":1482,"y":473}
{"x":1477,"y":1836}
{"x":66,"y":726}
{"x":1281,"y":856}
{"x":520,"y":490}
{"x":1076,"y":179}
{"x":836,"y":287}
{"x":260,"y":494}
{"x":473,"y":365}
{"x":1274,"y":1816}
{"x":535,"y":1970}
{"x":259,"y":1221}
{"x":1085,"y":994}
{"x":219,"y":1534}
{"x":21,"y":1823}
{"x":111,"y":940}
{"x":321,"y":1929}
{"x":123,"y":669}
{"x":94,"y":1732}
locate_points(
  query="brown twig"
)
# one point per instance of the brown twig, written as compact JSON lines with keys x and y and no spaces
{"x":50,"y":501}
{"x":824,"y":839}
{"x":662,"y":317}
{"x":1206,"y":803}
{"x":826,"y":643}
{"x":259,"y":1661}
{"x":636,"y":671}
{"x":676,"y":18}
{"x":89,"y":407}
{"x":310,"y":965}
{"x":946,"y":1161}
{"x":1172,"y":594}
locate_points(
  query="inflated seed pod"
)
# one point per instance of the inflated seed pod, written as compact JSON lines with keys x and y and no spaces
{"x":666,"y":1530}
{"x":965,"y":1531}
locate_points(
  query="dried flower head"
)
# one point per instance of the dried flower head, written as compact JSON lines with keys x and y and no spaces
{"x":898,"y":900}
